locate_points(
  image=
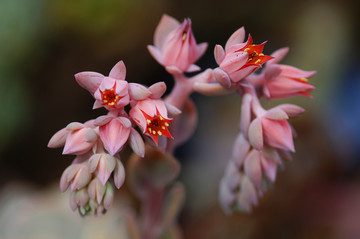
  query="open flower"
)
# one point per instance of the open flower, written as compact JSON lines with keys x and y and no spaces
{"x":175,"y":46}
{"x":239,"y":59}
{"x":110,"y":92}
{"x":151,"y":116}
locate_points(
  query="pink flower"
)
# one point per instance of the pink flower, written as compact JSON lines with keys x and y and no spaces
{"x":151,"y":116}
{"x":239,"y":59}
{"x":175,"y":46}
{"x":110,"y":92}
{"x":281,"y":81}
{"x":273,"y":129}
{"x":289,"y":82}
{"x":113,"y":131}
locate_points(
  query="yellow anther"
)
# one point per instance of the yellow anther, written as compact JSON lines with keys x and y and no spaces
{"x":161,"y":118}
{"x":246,"y":49}
{"x":257,"y":61}
{"x":153,"y":132}
{"x":163,"y":127}
{"x":304,"y":79}
{"x":148,"y":121}
{"x":159,"y":133}
{"x":184,"y":36}
{"x":261,"y":54}
{"x":166,"y":124}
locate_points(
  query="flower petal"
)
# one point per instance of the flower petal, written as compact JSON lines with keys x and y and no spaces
{"x":166,"y":25}
{"x":237,"y":37}
{"x":89,"y":80}
{"x":256,"y":134}
{"x":118,"y":71}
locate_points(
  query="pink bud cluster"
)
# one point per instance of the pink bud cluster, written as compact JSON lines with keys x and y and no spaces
{"x":97,"y":143}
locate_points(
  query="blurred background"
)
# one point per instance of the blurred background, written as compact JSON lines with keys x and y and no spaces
{"x":43,"y":43}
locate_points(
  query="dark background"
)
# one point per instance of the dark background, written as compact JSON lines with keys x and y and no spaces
{"x":44,"y":43}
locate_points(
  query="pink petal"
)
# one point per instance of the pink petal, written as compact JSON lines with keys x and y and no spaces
{"x":136,"y":115}
{"x":222,"y":77}
{"x":101,"y":120}
{"x":157,"y":90}
{"x":277,"y":133}
{"x":276,"y":114}
{"x":96,"y":190}
{"x":76,"y":144}
{"x":119,"y":174}
{"x":234,"y":61}
{"x":137,"y":143}
{"x":237,"y":37}
{"x":118,"y":71}
{"x":293,"y":72}
{"x":114,"y":135}
{"x":240,"y":149}
{"x":58,"y":139}
{"x":291,"y":110}
{"x":156,"y":53}
{"x":172,"y":110}
{"x":245,"y":113}
{"x":89,"y":80}
{"x":272,"y":71}
{"x":211,"y":89}
{"x":138,"y":92}
{"x":74,"y":126}
{"x":256,"y":134}
{"x":109,"y":196}
{"x":219,"y":54}
{"x":269,"y":167}
{"x":252,"y":167}
{"x":248,"y":189}
{"x":105,"y":167}
{"x":174,"y":70}
{"x":90,"y":135}
{"x":193,"y":68}
{"x":200,"y":49}
{"x":166,"y":25}
{"x":278,"y":55}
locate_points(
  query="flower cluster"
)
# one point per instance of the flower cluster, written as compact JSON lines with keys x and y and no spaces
{"x":97,"y":143}
{"x":265,"y":139}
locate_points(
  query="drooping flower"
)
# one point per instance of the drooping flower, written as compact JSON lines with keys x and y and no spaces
{"x":151,"y":116}
{"x":239,"y":59}
{"x":110,"y":92}
{"x":175,"y":46}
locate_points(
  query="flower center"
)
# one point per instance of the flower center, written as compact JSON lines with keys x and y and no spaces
{"x":109,"y":97}
{"x":157,"y":125}
{"x":254,"y":57}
